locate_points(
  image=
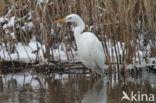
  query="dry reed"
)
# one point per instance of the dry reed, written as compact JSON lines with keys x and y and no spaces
{"x":123,"y":21}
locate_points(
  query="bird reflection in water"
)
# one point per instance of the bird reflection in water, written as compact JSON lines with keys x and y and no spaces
{"x":97,"y":94}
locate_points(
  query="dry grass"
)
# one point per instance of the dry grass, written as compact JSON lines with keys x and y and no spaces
{"x":117,"y":20}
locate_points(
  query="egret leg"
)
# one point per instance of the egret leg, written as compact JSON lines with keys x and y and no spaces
{"x":99,"y":72}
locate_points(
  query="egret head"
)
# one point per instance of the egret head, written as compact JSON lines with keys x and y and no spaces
{"x":69,"y":18}
{"x":75,"y":19}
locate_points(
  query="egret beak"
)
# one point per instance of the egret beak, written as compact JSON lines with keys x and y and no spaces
{"x":60,"y":20}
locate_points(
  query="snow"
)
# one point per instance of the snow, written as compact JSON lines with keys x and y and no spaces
{"x":28,"y":26}
{"x":13,"y":35}
{"x":52,"y":32}
{"x":43,"y":1}
{"x":23,"y":52}
{"x":60,"y":54}
{"x":26,"y":53}
{"x":129,"y":67}
{"x":10,"y":23}
{"x":2,"y":19}
{"x":30,"y":15}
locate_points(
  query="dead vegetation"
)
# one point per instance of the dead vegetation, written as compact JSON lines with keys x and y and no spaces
{"x":113,"y":21}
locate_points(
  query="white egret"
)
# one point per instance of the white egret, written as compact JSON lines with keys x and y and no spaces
{"x":90,"y":49}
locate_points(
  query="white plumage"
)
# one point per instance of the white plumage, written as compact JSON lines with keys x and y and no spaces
{"x":89,"y":47}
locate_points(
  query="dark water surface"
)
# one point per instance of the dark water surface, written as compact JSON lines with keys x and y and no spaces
{"x":75,"y":88}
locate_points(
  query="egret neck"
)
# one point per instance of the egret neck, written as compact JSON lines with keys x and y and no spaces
{"x":78,"y":29}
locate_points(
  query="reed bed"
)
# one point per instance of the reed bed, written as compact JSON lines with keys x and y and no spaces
{"x":125,"y":27}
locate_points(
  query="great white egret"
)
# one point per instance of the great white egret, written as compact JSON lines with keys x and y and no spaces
{"x":90,"y":49}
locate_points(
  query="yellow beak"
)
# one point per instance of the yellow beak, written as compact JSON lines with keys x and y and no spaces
{"x":60,"y":20}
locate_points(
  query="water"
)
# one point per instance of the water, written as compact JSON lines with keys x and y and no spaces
{"x":73,"y":88}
